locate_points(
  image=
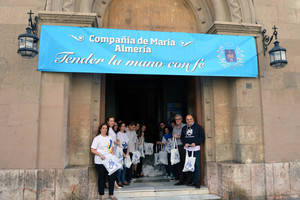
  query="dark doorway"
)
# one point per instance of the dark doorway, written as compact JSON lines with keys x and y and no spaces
{"x":148,"y":99}
{"x":152,"y":99}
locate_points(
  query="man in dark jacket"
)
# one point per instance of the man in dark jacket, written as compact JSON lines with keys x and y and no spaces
{"x":192,"y":136}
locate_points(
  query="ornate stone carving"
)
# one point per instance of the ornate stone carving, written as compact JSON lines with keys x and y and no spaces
{"x":68,"y":5}
{"x":236,"y":11}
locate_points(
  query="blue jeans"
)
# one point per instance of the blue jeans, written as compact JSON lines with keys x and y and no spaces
{"x":196,"y":174}
{"x":121,"y":175}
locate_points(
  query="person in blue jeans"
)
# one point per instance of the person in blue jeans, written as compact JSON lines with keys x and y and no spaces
{"x":192,"y":136}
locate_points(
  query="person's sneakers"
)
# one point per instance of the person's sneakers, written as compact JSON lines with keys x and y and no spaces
{"x":197,"y":186}
{"x":179,"y":183}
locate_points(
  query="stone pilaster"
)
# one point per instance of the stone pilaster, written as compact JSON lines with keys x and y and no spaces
{"x":246,"y":111}
{"x":54,"y":137}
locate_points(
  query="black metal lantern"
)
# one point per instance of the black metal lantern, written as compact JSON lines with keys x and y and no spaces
{"x":277,"y":54}
{"x":28,"y":42}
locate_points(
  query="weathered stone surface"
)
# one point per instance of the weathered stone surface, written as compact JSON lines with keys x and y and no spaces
{"x":11,"y":184}
{"x":281,"y":178}
{"x":295,"y":177}
{"x":258,"y":180}
{"x":72,"y":183}
{"x":30,"y":184}
{"x":46,"y":184}
{"x":212,"y":177}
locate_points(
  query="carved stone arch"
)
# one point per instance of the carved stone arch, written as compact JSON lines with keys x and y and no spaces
{"x":200,"y":8}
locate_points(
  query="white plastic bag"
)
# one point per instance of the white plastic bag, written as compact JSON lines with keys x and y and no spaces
{"x":119,"y":153}
{"x":141,"y":150}
{"x":189,"y":165}
{"x":127,"y":162}
{"x":136,"y":157}
{"x":148,"y":148}
{"x":111,"y":164}
{"x":163,"y":156}
{"x":175,"y":156}
{"x":156,"y":159}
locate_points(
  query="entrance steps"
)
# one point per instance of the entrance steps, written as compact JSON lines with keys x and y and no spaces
{"x":159,"y":188}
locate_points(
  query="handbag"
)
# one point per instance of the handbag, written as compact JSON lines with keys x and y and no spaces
{"x":189,"y":165}
{"x":111,"y":164}
{"x":175,"y":156}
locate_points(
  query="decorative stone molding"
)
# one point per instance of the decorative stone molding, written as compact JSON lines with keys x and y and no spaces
{"x":99,"y":7}
{"x":242,"y":11}
{"x":68,"y":18}
{"x":235,"y":28}
{"x":202,"y":13}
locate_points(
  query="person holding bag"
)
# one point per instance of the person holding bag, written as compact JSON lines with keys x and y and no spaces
{"x":124,"y":140}
{"x":102,"y":147}
{"x":191,"y":136}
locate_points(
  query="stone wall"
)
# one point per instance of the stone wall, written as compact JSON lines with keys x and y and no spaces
{"x":48,"y":184}
{"x":281,"y":88}
{"x":254,"y":181}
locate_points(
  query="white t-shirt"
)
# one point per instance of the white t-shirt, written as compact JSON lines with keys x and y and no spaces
{"x":123,"y":138}
{"x":103,"y":145}
{"x":132,"y":140}
{"x":112,"y":134}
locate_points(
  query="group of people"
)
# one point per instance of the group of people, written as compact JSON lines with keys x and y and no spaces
{"x":131,"y":138}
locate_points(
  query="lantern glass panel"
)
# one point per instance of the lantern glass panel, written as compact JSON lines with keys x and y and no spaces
{"x":29,"y":43}
{"x":283,"y":55}
{"x":272,"y":57}
{"x":277,"y":55}
{"x":21,"y":42}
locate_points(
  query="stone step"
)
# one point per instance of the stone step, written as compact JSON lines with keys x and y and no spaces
{"x":152,"y":188}
{"x":184,"y":197}
{"x":160,"y":192}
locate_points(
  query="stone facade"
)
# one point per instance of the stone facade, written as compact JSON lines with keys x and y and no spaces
{"x":254,"y":181}
{"x":252,"y":125}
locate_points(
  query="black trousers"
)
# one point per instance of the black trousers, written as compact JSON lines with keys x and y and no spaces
{"x":129,"y":170}
{"x":102,"y":174}
{"x":140,"y":167}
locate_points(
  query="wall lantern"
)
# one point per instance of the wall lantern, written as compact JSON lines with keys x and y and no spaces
{"x":277,"y":53}
{"x":28,"y":41}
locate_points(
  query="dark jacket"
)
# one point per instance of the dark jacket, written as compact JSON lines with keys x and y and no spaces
{"x":193,"y":134}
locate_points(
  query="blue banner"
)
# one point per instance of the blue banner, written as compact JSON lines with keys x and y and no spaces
{"x":97,"y":50}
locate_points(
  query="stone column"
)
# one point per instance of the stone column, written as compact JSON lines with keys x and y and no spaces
{"x":55,"y":99}
{"x":245,"y":108}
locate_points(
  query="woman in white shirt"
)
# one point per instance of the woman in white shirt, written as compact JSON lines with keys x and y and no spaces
{"x":101,"y":147}
{"x":124,"y":140}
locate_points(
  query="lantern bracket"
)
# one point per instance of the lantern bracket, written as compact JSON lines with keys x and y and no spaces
{"x":32,"y":22}
{"x":268,"y":39}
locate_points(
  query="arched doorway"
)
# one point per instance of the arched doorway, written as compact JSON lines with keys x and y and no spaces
{"x":157,"y":15}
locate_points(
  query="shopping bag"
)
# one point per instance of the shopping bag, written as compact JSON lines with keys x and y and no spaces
{"x":189,"y":165}
{"x":175,"y":156}
{"x":136,"y":157}
{"x":163,"y":157}
{"x":148,"y":148}
{"x":156,"y":159}
{"x":141,"y":150}
{"x":127,"y":162}
{"x":111,"y":164}
{"x":119,"y":153}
